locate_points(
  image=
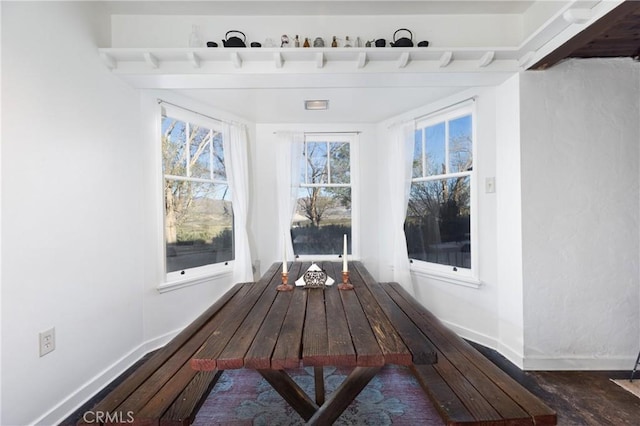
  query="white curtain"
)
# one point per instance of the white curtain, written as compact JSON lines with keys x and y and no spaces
{"x":400,"y":165}
{"x":288,"y":150}
{"x":237,"y":167}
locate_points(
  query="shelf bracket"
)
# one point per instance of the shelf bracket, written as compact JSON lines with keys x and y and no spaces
{"x":362,"y":59}
{"x":445,"y":59}
{"x":194,"y":59}
{"x":404,"y":60}
{"x":278,"y":59}
{"x":577,"y":16}
{"x":486,"y":59}
{"x":235,"y":58}
{"x":108,"y":61}
{"x":151,"y":60}
{"x":524,"y":60}
{"x":319,"y":60}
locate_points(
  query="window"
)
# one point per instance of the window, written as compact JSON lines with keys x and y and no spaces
{"x":198,"y":222}
{"x":324,"y":205}
{"x":438,"y":225}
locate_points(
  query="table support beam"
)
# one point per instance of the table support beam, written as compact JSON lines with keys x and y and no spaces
{"x":318,"y":375}
{"x":343,"y":396}
{"x":291,"y":392}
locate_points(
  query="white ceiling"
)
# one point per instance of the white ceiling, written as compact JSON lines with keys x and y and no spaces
{"x":286,"y":105}
{"x":352,"y":98}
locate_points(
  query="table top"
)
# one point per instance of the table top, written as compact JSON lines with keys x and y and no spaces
{"x":262,"y":328}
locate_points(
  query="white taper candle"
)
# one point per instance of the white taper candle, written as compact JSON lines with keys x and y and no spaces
{"x":284,"y":254}
{"x":344,"y":255}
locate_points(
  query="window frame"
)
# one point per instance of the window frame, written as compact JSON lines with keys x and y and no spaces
{"x":353,"y":139}
{"x":456,"y":275}
{"x":195,"y":275}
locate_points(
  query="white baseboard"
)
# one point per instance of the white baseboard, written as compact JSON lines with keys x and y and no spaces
{"x":468,"y":334}
{"x":512,"y":355}
{"x":487,"y":341}
{"x":579,"y":363}
{"x":88,"y":390}
{"x":542,"y":363}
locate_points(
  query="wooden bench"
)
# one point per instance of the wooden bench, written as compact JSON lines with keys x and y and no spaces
{"x":165,"y":390}
{"x":465,"y":387}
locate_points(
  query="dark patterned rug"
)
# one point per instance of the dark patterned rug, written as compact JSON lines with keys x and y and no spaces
{"x":243,"y":397}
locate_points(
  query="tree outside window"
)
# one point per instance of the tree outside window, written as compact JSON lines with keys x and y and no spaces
{"x":198,"y":211}
{"x":323,"y":211}
{"x":438,"y":222}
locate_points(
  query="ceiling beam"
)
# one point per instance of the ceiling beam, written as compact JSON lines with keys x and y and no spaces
{"x":588,"y":34}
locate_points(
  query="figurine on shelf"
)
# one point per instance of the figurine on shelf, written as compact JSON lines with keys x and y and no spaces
{"x":306,"y":42}
{"x":284,"y":41}
{"x":194,"y":37}
{"x":334,"y":43}
{"x":296,"y":42}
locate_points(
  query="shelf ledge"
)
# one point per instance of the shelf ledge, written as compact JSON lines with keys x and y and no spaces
{"x":310,"y":60}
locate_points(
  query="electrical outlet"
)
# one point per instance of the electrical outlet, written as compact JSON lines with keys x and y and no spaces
{"x":47,"y":341}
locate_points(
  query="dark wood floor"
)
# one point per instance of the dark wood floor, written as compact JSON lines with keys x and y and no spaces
{"x":581,"y":398}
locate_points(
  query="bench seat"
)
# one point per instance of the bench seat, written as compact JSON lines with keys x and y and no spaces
{"x":465,"y":387}
{"x":164,"y":389}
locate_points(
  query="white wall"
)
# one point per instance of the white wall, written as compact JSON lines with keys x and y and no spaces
{"x":1,"y":316}
{"x":510,"y":337}
{"x":82,"y":212}
{"x":580,"y":203}
{"x":439,"y":30}
{"x":72,"y":215}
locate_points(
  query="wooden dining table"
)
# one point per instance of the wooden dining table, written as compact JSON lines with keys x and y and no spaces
{"x":270,"y":331}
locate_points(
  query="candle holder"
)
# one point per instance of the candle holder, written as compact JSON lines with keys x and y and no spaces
{"x":285,"y":286}
{"x":345,"y":284}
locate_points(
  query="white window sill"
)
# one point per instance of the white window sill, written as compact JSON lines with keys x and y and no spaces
{"x":448,"y":277}
{"x":322,"y":258}
{"x":194,"y":280}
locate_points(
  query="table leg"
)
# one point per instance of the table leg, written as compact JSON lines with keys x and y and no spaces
{"x":343,"y":396}
{"x":291,"y":392}
{"x":318,"y":375}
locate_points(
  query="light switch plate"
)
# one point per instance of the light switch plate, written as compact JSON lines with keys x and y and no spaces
{"x":490,"y":185}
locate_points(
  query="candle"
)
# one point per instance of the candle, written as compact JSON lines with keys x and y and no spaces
{"x":344,"y":255}
{"x":284,"y":255}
